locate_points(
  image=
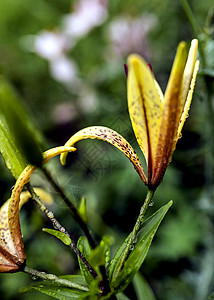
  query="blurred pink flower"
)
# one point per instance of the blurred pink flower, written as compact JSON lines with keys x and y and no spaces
{"x":87,"y":15}
{"x":50,"y":45}
{"x":129,"y":35}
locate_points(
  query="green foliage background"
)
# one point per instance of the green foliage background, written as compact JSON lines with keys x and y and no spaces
{"x":180,"y":263}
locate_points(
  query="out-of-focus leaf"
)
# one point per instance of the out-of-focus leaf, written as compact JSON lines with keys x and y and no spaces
{"x":122,"y":296}
{"x":60,"y":235}
{"x":139,"y":252}
{"x":207,"y":71}
{"x":142,"y":288}
{"x":13,"y":158}
{"x":100,"y":255}
{"x":18,"y":124}
{"x":83,"y":210}
{"x":211,"y":297}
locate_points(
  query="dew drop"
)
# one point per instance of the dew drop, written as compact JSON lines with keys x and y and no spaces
{"x":131,"y":247}
{"x":151,"y":203}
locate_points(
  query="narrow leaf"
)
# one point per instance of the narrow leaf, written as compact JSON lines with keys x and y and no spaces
{"x":83,"y":210}
{"x":142,"y":288}
{"x":112,"y":137}
{"x":13,"y":158}
{"x":122,"y":296}
{"x":85,"y":248}
{"x":55,"y":291}
{"x":60,"y":235}
{"x":19,"y":124}
{"x":139,"y":252}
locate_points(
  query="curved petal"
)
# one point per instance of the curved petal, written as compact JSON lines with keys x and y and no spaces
{"x":12,"y":253}
{"x":112,"y":137}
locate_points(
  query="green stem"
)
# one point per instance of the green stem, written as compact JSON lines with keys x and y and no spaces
{"x":55,"y":279}
{"x":60,"y":228}
{"x":82,"y":224}
{"x":71,"y":207}
{"x":135,"y":230}
{"x":190,"y":16}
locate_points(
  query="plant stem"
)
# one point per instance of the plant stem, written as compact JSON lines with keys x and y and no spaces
{"x":60,"y":228}
{"x":55,"y":279}
{"x":72,"y":208}
{"x":105,"y":287}
{"x":135,"y":230}
{"x":192,"y":21}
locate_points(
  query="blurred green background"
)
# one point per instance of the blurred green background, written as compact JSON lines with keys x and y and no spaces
{"x":66,"y":59}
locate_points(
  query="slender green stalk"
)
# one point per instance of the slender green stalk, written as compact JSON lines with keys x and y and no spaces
{"x":60,"y":228}
{"x":135,"y":230}
{"x":193,"y":23}
{"x":105,"y":282}
{"x":55,"y":279}
{"x":71,"y":207}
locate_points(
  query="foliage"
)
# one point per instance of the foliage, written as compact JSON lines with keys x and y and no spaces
{"x":180,"y":261}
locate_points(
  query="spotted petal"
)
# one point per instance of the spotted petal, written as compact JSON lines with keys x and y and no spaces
{"x":12,"y":253}
{"x":145,"y":106}
{"x":170,"y":120}
{"x":112,"y":137}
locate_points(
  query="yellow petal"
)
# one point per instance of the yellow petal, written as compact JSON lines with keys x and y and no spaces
{"x":9,"y":257}
{"x":189,"y":99}
{"x":110,"y":136}
{"x":25,"y":196}
{"x":188,"y":72}
{"x":170,"y":117}
{"x":12,"y":254}
{"x":145,"y":106}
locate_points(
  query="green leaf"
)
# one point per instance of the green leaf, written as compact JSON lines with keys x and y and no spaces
{"x":142,"y":288}
{"x":100,"y":255}
{"x":122,"y":296}
{"x":16,"y":119}
{"x":83,"y":210}
{"x":85,"y":248}
{"x":13,"y":158}
{"x":96,"y":257}
{"x":55,"y":291}
{"x":211,"y":297}
{"x":60,"y":235}
{"x":207,"y":72}
{"x":138,"y":254}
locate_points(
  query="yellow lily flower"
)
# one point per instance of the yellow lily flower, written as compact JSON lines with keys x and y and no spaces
{"x":157,"y":119}
{"x":12,"y":253}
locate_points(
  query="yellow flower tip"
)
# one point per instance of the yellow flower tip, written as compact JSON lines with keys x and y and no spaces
{"x":134,"y":59}
{"x":194,"y":44}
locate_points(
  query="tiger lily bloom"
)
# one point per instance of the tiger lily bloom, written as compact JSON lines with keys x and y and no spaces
{"x":157,"y":119}
{"x":12,"y":252}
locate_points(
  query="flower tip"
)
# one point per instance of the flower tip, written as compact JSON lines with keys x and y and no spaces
{"x":133,"y":59}
{"x":182,"y":45}
{"x":194,"y":44}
